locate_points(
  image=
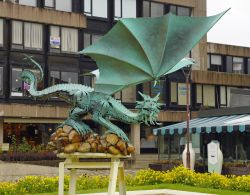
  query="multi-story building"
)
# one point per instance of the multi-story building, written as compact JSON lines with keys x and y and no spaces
{"x":52,"y":31}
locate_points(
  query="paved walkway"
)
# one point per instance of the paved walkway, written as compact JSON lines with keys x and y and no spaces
{"x":14,"y":171}
{"x":158,"y":192}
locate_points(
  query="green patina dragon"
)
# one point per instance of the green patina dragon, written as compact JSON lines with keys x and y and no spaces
{"x":132,"y":52}
{"x":102,"y":107}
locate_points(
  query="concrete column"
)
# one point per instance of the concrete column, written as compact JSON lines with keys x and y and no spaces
{"x":135,"y":137}
{"x":1,"y":130}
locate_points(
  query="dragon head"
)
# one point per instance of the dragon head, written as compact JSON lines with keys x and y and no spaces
{"x":149,"y":109}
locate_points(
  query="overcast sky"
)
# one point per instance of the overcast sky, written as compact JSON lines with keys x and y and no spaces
{"x":234,"y":27}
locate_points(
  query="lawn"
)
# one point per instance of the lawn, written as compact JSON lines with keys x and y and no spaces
{"x":165,"y":186}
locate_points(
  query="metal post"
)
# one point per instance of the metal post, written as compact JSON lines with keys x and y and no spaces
{"x":187,"y":117}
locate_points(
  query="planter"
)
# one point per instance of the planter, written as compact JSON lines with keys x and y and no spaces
{"x":236,"y":171}
{"x":162,"y":167}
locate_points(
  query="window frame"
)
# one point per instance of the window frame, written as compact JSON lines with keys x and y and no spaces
{"x":3,"y":33}
{"x":91,"y":34}
{"x":2,"y":67}
{"x":203,"y":95}
{"x":60,"y":76}
{"x":177,"y":103}
{"x":90,"y":14}
{"x":59,"y":50}
{"x":22,"y":45}
{"x":49,"y":7}
{"x":18,"y":1}
{"x":215,"y":67}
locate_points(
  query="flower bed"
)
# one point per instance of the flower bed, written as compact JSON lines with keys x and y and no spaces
{"x":181,"y":175}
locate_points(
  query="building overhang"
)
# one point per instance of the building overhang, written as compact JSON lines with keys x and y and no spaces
{"x":41,"y":15}
{"x":220,"y":78}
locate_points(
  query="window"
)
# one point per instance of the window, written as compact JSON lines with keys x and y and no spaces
{"x":33,"y":35}
{"x":209,"y":95}
{"x":63,"y":39}
{"x":49,"y":4}
{"x":65,"y":5}
{"x":18,"y":87}
{"x":1,"y":32}
{"x":152,"y":89}
{"x":238,"y":65}
{"x":215,"y":62}
{"x":152,"y":9}
{"x":178,"y":93}
{"x":223,"y":96}
{"x":125,"y":9}
{"x":1,"y":80}
{"x":28,"y":2}
{"x":180,"y":11}
{"x":97,"y":8}
{"x":57,"y":77}
{"x":248,"y":66}
{"x":199,"y":94}
{"x":90,"y":39}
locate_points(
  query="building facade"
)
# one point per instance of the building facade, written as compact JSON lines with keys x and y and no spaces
{"x":52,"y":31}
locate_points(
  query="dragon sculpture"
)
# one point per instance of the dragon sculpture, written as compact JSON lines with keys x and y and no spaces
{"x":132,"y":52}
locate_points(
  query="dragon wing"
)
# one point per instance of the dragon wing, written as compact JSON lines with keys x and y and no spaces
{"x":143,"y":49}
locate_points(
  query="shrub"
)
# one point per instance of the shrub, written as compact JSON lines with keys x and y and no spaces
{"x":41,"y":184}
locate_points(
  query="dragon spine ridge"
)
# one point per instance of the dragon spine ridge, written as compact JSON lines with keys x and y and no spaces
{"x":85,"y":100}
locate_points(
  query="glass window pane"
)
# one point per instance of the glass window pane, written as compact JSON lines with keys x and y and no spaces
{"x":223,"y":95}
{"x":100,"y":8}
{"x":95,"y":38}
{"x":17,"y":32}
{"x":173,"y":93}
{"x":158,"y":89}
{"x":87,"y":6}
{"x":65,"y":5}
{"x":28,"y":2}
{"x":1,"y":31}
{"x":69,"y":77}
{"x":146,"y":88}
{"x":173,"y":9}
{"x":216,"y":60}
{"x":118,"y":13}
{"x":55,"y":40}
{"x":209,"y":95}
{"x":157,"y":9}
{"x":69,"y":40}
{"x":248,"y":66}
{"x":228,"y":96}
{"x":49,"y":3}
{"x":229,"y":67}
{"x":1,"y":80}
{"x":208,"y":61}
{"x":182,"y":92}
{"x":129,"y":9}
{"x":16,"y":82}
{"x":183,"y":11}
{"x":87,"y":38}
{"x":87,"y":80}
{"x":54,"y":77}
{"x":145,"y":9}
{"x":33,"y":35}
{"x":237,"y":65}
{"x":199,"y":94}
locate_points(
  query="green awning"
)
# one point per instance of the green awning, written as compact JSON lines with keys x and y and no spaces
{"x":209,"y":125}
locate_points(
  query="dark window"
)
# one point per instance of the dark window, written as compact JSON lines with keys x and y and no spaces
{"x":57,"y":77}
{"x":229,"y":64}
{"x":97,"y":8}
{"x":248,"y":66}
{"x":90,"y":39}
{"x":238,"y":65}
{"x":152,"y":89}
{"x":215,"y":62}
{"x":1,"y":80}
{"x":152,"y":9}
{"x":179,"y":10}
{"x":27,"y":35}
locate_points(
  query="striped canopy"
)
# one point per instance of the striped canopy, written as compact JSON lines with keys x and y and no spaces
{"x":208,"y":125}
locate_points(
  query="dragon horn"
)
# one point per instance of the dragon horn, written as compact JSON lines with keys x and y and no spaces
{"x":143,"y":95}
{"x":156,"y":98}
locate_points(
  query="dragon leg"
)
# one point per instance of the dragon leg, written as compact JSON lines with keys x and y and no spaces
{"x":74,"y":120}
{"x":110,"y":126}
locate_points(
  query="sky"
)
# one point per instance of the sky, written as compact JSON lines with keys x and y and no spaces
{"x":234,"y":26}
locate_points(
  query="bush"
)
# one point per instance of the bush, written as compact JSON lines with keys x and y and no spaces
{"x":28,"y":156}
{"x":181,"y":175}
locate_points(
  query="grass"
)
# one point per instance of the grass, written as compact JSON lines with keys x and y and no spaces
{"x":165,"y":186}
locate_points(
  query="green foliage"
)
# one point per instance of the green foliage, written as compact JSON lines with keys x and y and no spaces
{"x":179,"y":175}
{"x":24,"y":146}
